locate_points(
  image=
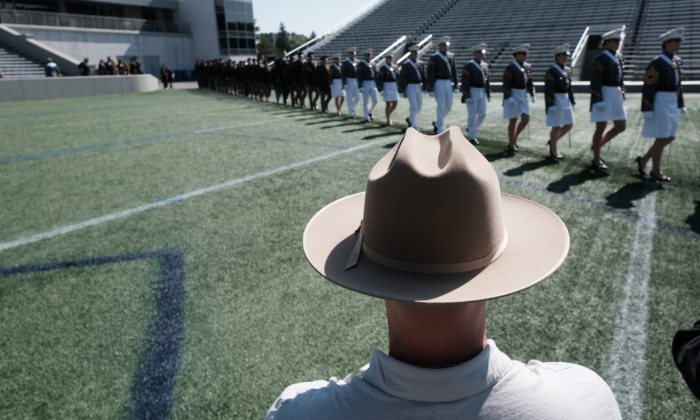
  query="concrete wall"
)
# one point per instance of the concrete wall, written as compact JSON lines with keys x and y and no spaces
{"x":174,"y":50}
{"x":71,"y":87}
{"x":38,"y":50}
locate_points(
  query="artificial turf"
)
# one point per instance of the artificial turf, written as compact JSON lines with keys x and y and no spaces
{"x":257,"y":317}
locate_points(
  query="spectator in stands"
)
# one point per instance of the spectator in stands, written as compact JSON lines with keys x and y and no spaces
{"x":171,"y":76}
{"x":366,"y":72}
{"x":164,"y":76}
{"x":442,"y":82}
{"x":435,"y":281}
{"x":135,"y":66}
{"x":51,"y":68}
{"x":123,"y":68}
{"x":517,"y":83}
{"x":337,"y":91}
{"x":386,"y":83}
{"x":476,"y":91}
{"x":662,"y":101}
{"x":323,"y":83}
{"x":84,"y":69}
{"x":102,"y":68}
{"x":607,"y":94}
{"x":348,"y":72}
{"x":559,"y":99}
{"x":112,"y":67}
{"x":411,"y":84}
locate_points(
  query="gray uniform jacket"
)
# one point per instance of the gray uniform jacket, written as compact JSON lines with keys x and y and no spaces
{"x":348,"y":69}
{"x":438,"y":69}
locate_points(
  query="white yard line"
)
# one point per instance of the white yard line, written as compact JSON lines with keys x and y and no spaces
{"x":627,"y":358}
{"x":125,"y":213}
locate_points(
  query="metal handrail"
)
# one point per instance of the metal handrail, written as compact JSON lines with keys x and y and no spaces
{"x":420,"y":46}
{"x":579,"y":47}
{"x":345,"y":22}
{"x":22,"y":17}
{"x":391,"y":47}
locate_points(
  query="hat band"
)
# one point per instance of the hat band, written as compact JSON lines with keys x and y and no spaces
{"x":438,"y":268}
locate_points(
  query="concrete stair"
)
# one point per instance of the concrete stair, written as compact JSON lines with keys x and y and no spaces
{"x":15,"y":65}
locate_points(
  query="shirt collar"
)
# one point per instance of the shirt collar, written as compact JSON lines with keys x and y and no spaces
{"x":437,"y":385}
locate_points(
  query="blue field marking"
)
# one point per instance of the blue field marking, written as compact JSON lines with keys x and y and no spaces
{"x":152,"y":390}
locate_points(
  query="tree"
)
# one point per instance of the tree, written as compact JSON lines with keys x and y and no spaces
{"x":313,"y":35}
{"x":282,"y":39}
{"x":265,"y":45}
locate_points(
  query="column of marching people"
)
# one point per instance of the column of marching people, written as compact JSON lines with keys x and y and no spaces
{"x":300,"y":81}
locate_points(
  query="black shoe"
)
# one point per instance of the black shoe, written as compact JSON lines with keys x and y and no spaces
{"x":435,"y":129}
{"x":639,"y":166}
{"x":602,"y":165}
{"x":512,"y":148}
{"x":408,"y":121}
{"x":658,"y":178}
{"x":371,"y":118}
{"x":475,"y":142}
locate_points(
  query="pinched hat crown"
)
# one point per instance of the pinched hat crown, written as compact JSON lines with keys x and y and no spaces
{"x":433,"y":207}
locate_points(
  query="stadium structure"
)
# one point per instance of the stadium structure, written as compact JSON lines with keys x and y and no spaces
{"x":390,"y":26}
{"x":158,"y":32}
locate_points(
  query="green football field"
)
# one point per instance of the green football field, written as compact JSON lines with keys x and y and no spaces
{"x":151,"y":263}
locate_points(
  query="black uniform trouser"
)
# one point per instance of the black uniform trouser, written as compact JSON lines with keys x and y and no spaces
{"x":282,"y":86}
{"x":325,"y":94}
{"x":313,"y":94}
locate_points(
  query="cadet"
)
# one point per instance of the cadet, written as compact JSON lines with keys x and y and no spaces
{"x":310,"y":80}
{"x":442,"y":82}
{"x":349,"y":74}
{"x":366,"y":73}
{"x":559,"y":99}
{"x":280,"y":76}
{"x":337,"y":91}
{"x":411,"y":81}
{"x":476,"y":90}
{"x":298,"y":75}
{"x":662,"y":101}
{"x":607,"y":94}
{"x":517,"y":83}
{"x":323,"y":83}
{"x":386,"y":83}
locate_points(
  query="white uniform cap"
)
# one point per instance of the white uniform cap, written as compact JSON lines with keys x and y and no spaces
{"x":672,"y":34}
{"x":413,"y":47}
{"x":445,"y":40}
{"x":521,"y":49}
{"x":368,"y":51}
{"x":614,"y":34}
{"x":338,"y":55}
{"x":562,"y":49}
{"x":478,"y":47}
{"x":352,"y":49}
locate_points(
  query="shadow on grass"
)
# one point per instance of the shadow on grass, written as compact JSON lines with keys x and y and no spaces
{"x":624,"y":197}
{"x":390,"y":145}
{"x":492,"y":157}
{"x":337,"y":125}
{"x":321,"y":122}
{"x":694,"y":219}
{"x":378,"y":136}
{"x":530,"y":166}
{"x":367,"y":127}
{"x":565,"y":184}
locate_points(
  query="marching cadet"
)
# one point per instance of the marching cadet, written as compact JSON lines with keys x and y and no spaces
{"x":476,"y":90}
{"x":386,"y":83}
{"x":607,"y":94}
{"x":662,"y":101}
{"x":265,"y":80}
{"x":366,"y":73}
{"x":280,"y":77}
{"x":349,"y":74}
{"x":289,"y":76}
{"x":559,"y":99}
{"x":442,"y":82}
{"x":310,"y":80}
{"x":517,"y":83}
{"x":323,"y":83}
{"x":298,"y":74}
{"x":411,"y":81}
{"x":337,"y":91}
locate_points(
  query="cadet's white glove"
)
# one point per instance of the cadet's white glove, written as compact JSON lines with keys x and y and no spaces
{"x":552,"y":109}
{"x":683,"y":111}
{"x":648,"y":115}
{"x":469,"y":101}
{"x":431,"y":94}
{"x":534,"y":99}
{"x":403,"y":95}
{"x":488,"y":99}
{"x":455,"y":90}
{"x":599,"y":105}
{"x":362,"y":89}
{"x":345,"y":87}
{"x":511,"y":100}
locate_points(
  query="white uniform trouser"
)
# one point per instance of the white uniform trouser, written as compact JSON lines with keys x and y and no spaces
{"x":352,"y":92}
{"x":477,"y":111}
{"x":443,"y":97}
{"x":369,"y":97}
{"x":414,"y":93}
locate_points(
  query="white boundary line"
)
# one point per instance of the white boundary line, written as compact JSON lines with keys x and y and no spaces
{"x":125,"y":213}
{"x":627,"y":355}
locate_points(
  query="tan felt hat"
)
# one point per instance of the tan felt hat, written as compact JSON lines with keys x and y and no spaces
{"x":433,"y":227}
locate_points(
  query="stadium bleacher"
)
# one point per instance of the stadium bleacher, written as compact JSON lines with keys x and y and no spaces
{"x":15,"y":65}
{"x":468,"y":22}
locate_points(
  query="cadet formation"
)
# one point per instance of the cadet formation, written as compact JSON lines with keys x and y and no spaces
{"x":300,"y":81}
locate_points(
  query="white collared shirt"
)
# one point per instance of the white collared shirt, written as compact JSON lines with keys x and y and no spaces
{"x":519,"y":68}
{"x":490,"y":386}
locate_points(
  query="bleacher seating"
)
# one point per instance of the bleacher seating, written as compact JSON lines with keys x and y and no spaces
{"x":14,"y":65}
{"x":660,"y":16}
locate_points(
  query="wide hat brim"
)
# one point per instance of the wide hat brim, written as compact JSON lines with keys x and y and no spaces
{"x":538,"y":243}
